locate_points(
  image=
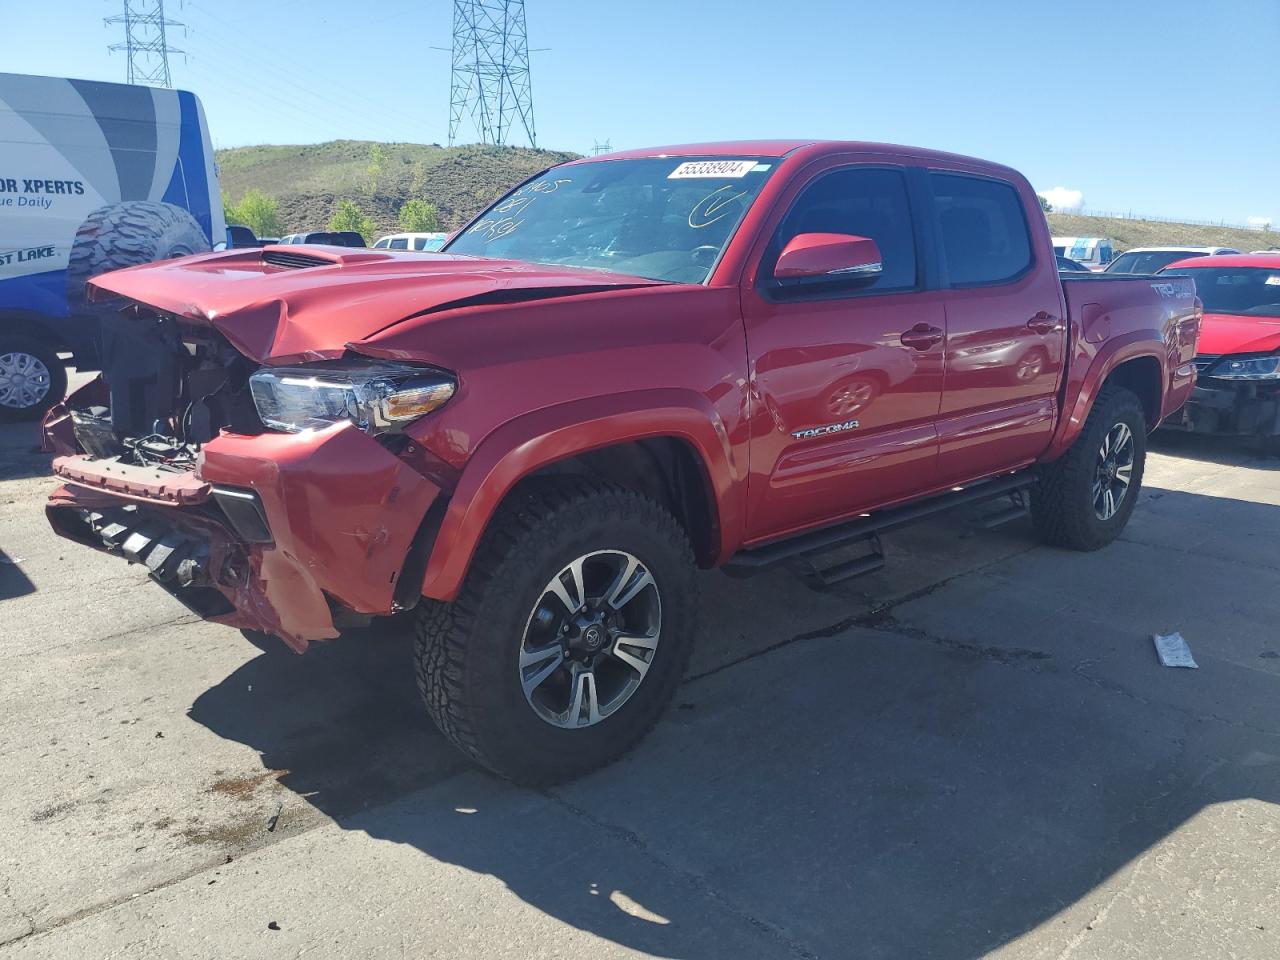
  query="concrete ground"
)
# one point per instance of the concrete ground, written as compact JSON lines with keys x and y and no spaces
{"x":971,"y":753}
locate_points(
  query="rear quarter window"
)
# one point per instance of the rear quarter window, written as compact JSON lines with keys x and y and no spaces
{"x":983,"y":229}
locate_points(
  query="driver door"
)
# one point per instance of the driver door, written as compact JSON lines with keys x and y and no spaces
{"x":846,"y":392}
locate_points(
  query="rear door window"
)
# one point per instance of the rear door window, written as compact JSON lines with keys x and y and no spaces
{"x":983,"y":229}
{"x":399,"y":243}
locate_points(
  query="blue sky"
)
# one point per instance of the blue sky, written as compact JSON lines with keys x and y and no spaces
{"x":1165,"y":108}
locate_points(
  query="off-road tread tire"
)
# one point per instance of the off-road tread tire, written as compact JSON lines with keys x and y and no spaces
{"x":126,"y":234}
{"x":48,"y":355}
{"x":453,"y":649}
{"x":1061,"y":505}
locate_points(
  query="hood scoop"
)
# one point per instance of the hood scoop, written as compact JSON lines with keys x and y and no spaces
{"x":294,"y":261}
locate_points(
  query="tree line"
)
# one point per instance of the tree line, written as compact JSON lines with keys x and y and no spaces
{"x":261,"y":214}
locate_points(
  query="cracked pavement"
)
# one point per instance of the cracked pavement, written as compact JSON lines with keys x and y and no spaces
{"x":972,"y":752}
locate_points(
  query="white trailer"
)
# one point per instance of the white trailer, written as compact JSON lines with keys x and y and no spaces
{"x":93,"y":177}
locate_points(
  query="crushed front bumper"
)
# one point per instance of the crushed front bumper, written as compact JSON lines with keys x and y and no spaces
{"x":1230,"y":408}
{"x":277,"y":532}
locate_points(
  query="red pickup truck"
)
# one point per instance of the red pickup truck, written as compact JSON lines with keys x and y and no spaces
{"x":629,"y":366}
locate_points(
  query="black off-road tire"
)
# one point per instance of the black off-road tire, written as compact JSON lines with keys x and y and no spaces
{"x":46,"y":354}
{"x":126,"y":234}
{"x":1062,"y":507}
{"x":467,"y":651}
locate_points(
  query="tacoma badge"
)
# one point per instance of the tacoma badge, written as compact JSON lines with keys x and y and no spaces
{"x":823,"y":431}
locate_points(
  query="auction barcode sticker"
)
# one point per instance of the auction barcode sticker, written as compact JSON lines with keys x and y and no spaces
{"x":693,"y":169}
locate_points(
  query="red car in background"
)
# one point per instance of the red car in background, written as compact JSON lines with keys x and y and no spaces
{"x":1238,"y":358}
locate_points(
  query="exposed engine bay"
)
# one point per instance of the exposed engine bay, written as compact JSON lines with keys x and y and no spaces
{"x":171,"y":385}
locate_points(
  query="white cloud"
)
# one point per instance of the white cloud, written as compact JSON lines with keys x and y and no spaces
{"x":1259,"y":223}
{"x":1064,"y":199}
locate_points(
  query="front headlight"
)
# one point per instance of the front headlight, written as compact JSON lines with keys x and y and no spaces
{"x":377,"y":397}
{"x":1250,"y":368}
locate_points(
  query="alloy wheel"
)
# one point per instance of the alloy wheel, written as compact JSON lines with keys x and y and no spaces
{"x":590,"y":639}
{"x":1113,"y":473}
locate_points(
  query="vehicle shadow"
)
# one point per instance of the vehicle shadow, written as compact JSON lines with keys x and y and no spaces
{"x":1229,"y":451}
{"x":13,"y":582}
{"x":880,"y":791}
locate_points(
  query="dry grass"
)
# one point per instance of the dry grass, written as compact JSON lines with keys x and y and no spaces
{"x":1156,"y":233}
{"x":309,"y":180}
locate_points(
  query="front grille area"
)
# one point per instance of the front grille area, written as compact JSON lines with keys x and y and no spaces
{"x":1204,"y":362}
{"x":293,"y":261}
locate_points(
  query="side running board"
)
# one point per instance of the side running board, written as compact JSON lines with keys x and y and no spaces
{"x":798,"y":550}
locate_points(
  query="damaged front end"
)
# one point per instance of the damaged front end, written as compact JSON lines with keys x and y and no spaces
{"x":1235,"y":395}
{"x":293,"y":529}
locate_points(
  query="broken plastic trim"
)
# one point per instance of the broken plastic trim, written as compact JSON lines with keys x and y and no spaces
{"x":243,"y":509}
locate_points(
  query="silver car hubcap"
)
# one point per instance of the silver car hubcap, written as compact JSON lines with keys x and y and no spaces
{"x":1114,"y":471}
{"x":590,"y":639}
{"x":24,"y":380}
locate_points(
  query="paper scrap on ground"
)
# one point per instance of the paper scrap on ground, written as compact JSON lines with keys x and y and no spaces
{"x":1173,"y":651}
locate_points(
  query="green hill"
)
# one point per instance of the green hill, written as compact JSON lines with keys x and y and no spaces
{"x":1157,"y":233}
{"x":309,"y":180}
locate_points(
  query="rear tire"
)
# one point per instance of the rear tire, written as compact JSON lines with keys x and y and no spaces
{"x":1069,"y":504}
{"x":32,"y":378}
{"x":478,"y":657}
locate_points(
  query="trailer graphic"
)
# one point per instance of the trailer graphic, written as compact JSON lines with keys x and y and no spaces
{"x":93,"y":177}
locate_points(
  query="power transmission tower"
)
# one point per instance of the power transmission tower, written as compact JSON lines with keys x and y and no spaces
{"x":490,"y":76}
{"x":599,"y":148}
{"x":144,"y":41}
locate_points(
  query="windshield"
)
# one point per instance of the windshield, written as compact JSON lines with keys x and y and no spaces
{"x":665,"y":219}
{"x":1148,"y":262}
{"x":1242,"y":291}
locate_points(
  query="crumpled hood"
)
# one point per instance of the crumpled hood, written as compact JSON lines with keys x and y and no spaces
{"x":1224,"y":333}
{"x":287,"y":304}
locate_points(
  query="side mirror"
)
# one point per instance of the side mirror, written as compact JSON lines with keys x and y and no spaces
{"x":829,"y":256}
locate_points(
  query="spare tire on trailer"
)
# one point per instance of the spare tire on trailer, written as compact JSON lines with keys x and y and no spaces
{"x":126,"y":234}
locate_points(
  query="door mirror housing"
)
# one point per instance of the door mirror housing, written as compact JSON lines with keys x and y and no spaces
{"x":829,"y":257}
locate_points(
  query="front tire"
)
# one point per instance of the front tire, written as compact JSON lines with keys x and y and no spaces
{"x":570,"y":635}
{"x":1084,"y":498}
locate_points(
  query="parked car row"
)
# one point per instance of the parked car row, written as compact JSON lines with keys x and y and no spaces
{"x":1097,"y":254}
{"x":241,"y":237}
{"x":426,"y":242}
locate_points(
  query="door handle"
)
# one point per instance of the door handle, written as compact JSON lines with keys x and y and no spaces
{"x":1043,"y":323}
{"x":921,"y":337}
